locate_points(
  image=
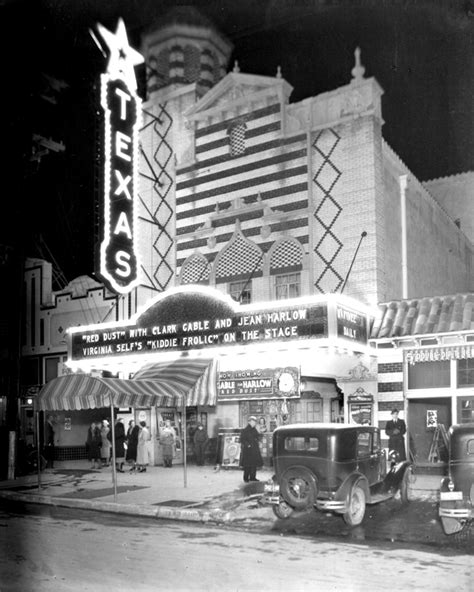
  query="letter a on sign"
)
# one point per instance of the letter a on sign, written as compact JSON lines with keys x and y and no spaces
{"x":122,"y":109}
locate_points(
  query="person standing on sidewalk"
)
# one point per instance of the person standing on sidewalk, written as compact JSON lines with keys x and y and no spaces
{"x":93,"y":444}
{"x":49,"y":442}
{"x":119,"y":430}
{"x":143,"y":453}
{"x":132,"y":443}
{"x":200,"y":440}
{"x":251,"y":457}
{"x":167,"y":442}
{"x":395,"y":430}
{"x":106,"y":445}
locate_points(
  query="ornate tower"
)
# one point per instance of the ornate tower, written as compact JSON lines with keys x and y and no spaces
{"x":185,"y":56}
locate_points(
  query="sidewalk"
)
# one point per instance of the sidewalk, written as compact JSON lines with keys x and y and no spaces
{"x":209,"y":496}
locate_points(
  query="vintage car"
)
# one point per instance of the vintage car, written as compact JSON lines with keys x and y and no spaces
{"x":456,"y":497}
{"x":334,"y":468}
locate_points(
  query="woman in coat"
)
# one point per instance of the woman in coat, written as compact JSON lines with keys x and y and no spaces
{"x":251,"y":457}
{"x":93,"y":444}
{"x":106,"y":445}
{"x":143,"y":456}
{"x":167,"y":442}
{"x":132,"y":443}
{"x":120,"y":437}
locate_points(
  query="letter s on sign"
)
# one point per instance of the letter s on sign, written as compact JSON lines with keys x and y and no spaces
{"x":123,"y":267}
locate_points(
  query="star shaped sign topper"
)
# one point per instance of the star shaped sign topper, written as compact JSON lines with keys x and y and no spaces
{"x":122,"y":58}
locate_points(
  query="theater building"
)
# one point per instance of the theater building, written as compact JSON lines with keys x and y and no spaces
{"x":268,"y":203}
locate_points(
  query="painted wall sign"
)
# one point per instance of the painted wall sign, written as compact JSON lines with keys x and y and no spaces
{"x":456,"y":352}
{"x":122,"y":112}
{"x":351,"y":324}
{"x":258,"y":383}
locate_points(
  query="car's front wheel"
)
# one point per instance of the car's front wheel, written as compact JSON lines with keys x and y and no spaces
{"x":405,"y":486}
{"x":298,"y":488}
{"x":356,"y":507}
{"x":282,"y":510}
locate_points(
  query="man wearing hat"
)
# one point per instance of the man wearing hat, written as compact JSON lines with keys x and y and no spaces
{"x":251,"y":457}
{"x":395,"y":430}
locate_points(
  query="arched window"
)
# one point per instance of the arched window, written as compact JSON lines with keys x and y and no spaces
{"x":286,"y":262}
{"x":239,"y":260}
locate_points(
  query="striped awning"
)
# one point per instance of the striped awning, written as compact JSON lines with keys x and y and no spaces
{"x":162,"y":384}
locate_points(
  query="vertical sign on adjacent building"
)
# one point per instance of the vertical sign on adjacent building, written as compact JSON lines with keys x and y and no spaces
{"x":122,"y":110}
{"x":351,"y":324}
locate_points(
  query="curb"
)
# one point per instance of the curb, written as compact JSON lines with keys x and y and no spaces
{"x":160,"y":512}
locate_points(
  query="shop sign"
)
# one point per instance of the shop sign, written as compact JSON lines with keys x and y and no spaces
{"x":439,"y":354}
{"x":261,"y":383}
{"x":360,"y":395}
{"x":351,"y":325}
{"x":287,"y":323}
{"x":122,"y":109}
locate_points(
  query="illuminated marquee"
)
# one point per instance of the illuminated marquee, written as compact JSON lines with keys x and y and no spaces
{"x":122,"y":110}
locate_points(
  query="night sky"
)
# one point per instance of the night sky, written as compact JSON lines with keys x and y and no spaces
{"x":421,"y":53}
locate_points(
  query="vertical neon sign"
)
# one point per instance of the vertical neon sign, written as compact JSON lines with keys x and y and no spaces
{"x":122,"y":111}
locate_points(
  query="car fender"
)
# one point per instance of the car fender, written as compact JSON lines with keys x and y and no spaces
{"x":443,"y":486}
{"x":394,"y":477}
{"x":352,"y":480}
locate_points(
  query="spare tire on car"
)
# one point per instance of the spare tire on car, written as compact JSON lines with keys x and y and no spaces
{"x":298,"y":487}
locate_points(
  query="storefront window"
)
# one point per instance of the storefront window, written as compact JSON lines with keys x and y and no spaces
{"x":429,"y":375}
{"x":287,"y":286}
{"x":466,"y":410}
{"x":51,"y":368}
{"x":241,"y":291}
{"x":466,"y":372}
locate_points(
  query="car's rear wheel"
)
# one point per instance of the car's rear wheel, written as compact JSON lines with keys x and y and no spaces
{"x":298,"y":488}
{"x":282,"y":510}
{"x":356,"y":507}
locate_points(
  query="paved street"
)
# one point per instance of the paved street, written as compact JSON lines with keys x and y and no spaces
{"x":61,"y":549}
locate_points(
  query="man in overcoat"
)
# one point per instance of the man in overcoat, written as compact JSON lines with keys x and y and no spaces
{"x":250,"y":450}
{"x":395,"y":430}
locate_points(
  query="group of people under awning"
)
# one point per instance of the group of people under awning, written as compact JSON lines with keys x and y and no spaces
{"x":131,"y":446}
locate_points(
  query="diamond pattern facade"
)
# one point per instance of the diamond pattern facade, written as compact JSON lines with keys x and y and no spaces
{"x":240,"y":257}
{"x":195,"y":269}
{"x":157,"y":172}
{"x":327,"y":211}
{"x":287,"y":254}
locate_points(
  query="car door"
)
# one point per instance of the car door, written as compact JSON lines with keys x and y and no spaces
{"x":368,"y":460}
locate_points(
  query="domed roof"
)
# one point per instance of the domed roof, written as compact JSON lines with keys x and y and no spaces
{"x":182,"y":15}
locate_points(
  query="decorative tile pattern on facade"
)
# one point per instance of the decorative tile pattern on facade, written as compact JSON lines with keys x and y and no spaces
{"x":155,"y":173}
{"x":328,"y":210}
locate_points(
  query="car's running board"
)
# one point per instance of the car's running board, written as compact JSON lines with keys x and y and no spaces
{"x":379,"y":497}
